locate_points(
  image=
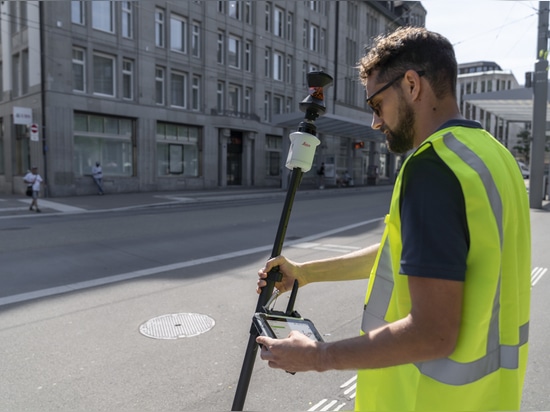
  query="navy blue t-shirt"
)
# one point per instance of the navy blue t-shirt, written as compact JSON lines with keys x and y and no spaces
{"x":434,"y":226}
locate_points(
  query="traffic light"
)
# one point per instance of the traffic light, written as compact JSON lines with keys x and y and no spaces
{"x":358,"y":145}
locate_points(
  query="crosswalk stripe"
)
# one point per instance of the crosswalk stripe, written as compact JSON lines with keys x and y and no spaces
{"x":536,"y":274}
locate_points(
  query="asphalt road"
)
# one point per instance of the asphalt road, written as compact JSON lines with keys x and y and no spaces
{"x":80,"y":293}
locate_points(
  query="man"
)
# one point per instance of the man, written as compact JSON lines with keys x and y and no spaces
{"x":33,"y":179}
{"x":445,"y":321}
{"x":97,"y":174}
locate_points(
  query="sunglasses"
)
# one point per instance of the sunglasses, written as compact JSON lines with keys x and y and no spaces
{"x":368,"y":100}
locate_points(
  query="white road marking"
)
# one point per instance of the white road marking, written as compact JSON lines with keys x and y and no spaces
{"x":55,"y":206}
{"x":537,"y":274}
{"x":318,"y":404}
{"x":328,"y":405}
{"x":326,"y":247}
{"x":166,"y":268}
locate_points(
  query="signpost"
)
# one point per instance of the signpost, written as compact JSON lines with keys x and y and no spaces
{"x":34,"y":133}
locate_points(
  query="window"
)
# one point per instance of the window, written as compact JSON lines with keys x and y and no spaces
{"x":267,"y":59}
{"x":159,"y":85}
{"x":127,"y":23}
{"x":103,"y":16}
{"x":313,"y":38}
{"x":289,"y":26}
{"x":267,"y":17}
{"x":104,"y":74}
{"x":278,"y":104}
{"x":351,"y":51}
{"x":267,"y":107}
{"x":25,"y":72}
{"x":273,"y":150}
{"x":234,"y":94}
{"x":352,"y":14}
{"x":288,"y":75}
{"x":2,"y":166}
{"x":323,"y":42}
{"x":159,"y":28}
{"x":248,"y":100}
{"x":248,"y":56}
{"x":16,"y":64}
{"x":105,"y":139}
{"x":178,"y":35}
{"x":277,"y":66}
{"x":196,"y":93}
{"x":1,"y":90}
{"x":79,"y":72}
{"x":248,"y":12}
{"x":179,"y":90}
{"x":18,"y":15}
{"x":234,"y":9}
{"x":220,"y":97}
{"x":305,"y":30}
{"x":196,"y":39}
{"x":127,"y":79}
{"x":278,"y":21}
{"x":77,"y":12}
{"x":178,"y":149}
{"x":220,"y":48}
{"x":234,"y":52}
{"x":289,"y":108}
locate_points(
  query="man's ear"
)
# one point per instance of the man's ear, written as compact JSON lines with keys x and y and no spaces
{"x":414,"y":84}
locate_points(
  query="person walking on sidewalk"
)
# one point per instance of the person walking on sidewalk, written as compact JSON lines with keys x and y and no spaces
{"x":446,"y":314}
{"x":34,"y":180}
{"x":321,"y":173}
{"x":97,"y":175}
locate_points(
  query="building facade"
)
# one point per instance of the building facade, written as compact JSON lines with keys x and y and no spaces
{"x":183,"y":95}
{"x":485,"y":77}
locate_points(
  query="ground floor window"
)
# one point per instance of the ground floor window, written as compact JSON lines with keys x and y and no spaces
{"x":105,"y":139}
{"x":22,"y":152}
{"x":2,"y":171}
{"x":178,"y":149}
{"x":273,"y":149}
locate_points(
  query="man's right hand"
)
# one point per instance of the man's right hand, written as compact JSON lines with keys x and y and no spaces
{"x":290,"y":271}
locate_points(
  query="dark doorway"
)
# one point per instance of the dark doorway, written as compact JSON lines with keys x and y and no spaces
{"x":235,"y":158}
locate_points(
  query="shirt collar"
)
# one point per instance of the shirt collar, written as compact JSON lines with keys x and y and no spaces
{"x":460,"y":122}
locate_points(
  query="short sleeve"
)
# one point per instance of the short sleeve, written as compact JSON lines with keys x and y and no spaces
{"x":434,"y":226}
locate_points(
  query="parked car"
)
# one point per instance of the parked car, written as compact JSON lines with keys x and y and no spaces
{"x":524,"y":170}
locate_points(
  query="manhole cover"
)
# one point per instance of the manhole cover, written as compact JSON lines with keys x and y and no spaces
{"x":177,"y":325}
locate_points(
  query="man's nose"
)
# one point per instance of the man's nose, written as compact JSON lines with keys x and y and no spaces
{"x":376,"y":122}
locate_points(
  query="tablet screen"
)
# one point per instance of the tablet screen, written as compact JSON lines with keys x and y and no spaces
{"x":281,"y":328}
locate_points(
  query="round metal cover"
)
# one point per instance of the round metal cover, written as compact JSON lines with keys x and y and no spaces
{"x":177,"y":325}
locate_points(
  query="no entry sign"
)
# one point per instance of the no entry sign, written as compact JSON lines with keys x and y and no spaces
{"x":34,"y":132}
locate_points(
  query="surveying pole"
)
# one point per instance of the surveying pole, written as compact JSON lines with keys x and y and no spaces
{"x":299,"y":161}
{"x":540,"y":102}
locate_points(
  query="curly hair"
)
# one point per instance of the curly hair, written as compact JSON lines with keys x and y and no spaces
{"x":412,"y":48}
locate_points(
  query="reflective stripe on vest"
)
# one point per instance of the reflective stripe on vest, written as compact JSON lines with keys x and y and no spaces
{"x":446,"y":370}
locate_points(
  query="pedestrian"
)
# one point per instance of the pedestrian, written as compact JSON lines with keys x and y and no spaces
{"x":97,"y":175}
{"x":446,"y":313}
{"x":33,"y":180}
{"x":321,"y":173}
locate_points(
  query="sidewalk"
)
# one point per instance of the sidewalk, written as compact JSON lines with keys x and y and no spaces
{"x":13,"y":206}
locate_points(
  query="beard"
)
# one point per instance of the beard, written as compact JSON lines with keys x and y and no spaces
{"x":401,"y":139}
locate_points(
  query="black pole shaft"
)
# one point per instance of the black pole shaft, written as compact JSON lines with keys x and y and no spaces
{"x":267,"y":291}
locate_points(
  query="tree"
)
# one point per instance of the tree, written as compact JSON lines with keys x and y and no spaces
{"x":523,"y":148}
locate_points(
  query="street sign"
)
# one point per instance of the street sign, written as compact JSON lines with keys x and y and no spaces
{"x":34,"y":132}
{"x":22,"y":115}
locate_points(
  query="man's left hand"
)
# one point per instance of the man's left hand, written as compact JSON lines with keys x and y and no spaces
{"x":297,"y":353}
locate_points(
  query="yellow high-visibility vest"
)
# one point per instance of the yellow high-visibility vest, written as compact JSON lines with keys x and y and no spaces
{"x":487,"y":368}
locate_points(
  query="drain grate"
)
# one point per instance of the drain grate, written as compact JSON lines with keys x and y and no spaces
{"x":177,"y":325}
